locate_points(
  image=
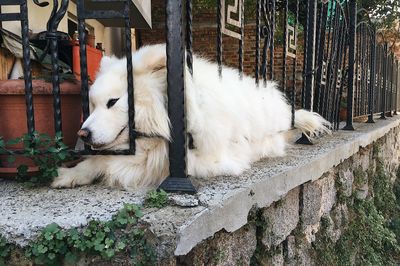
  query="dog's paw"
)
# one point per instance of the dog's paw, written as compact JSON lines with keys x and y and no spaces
{"x":66,"y":179}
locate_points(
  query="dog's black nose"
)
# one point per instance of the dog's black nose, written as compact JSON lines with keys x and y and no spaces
{"x":85,"y":134}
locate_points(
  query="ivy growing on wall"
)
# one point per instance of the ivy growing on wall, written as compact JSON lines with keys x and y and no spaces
{"x":123,"y":234}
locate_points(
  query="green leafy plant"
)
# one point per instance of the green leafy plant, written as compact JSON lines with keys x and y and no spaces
{"x":5,"y":251}
{"x":106,"y":239}
{"x":47,"y":154}
{"x":156,"y":199}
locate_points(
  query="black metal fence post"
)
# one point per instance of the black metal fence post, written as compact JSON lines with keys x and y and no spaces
{"x":177,"y":180}
{"x":129,"y":67}
{"x":350,"y":74}
{"x":53,"y":37}
{"x":309,"y":62}
{"x":372,"y":79}
{"x":83,"y":59}
{"x":384,"y":76}
{"x":30,"y":117}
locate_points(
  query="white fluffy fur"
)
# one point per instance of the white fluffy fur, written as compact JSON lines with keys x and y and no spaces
{"x":232,"y":121}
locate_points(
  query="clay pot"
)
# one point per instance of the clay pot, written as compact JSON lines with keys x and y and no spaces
{"x":343,"y":114}
{"x":13,"y":112}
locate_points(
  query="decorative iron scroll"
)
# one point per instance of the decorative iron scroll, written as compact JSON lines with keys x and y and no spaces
{"x":324,"y":72}
{"x":236,"y":8}
{"x":339,"y":79}
{"x":291,"y":41}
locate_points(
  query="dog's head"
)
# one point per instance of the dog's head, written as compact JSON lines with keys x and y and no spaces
{"x":107,"y":125}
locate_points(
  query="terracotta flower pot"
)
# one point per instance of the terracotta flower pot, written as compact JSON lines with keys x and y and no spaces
{"x":343,"y":114}
{"x":13,"y":112}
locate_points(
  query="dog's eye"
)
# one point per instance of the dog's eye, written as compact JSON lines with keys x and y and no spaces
{"x":111,"y":102}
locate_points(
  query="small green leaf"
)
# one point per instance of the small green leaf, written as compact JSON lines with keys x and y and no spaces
{"x":71,"y":258}
{"x":22,"y":170}
{"x":14,"y":141}
{"x":10,"y":159}
{"x":121,"y":245}
{"x":87,"y":232}
{"x":48,"y":236}
{"x":99,"y":247}
{"x":51,"y":256}
{"x":42,"y":249}
{"x":53,"y":150}
{"x":110,"y":253}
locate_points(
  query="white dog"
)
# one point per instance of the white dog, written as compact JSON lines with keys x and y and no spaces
{"x":233,"y":122}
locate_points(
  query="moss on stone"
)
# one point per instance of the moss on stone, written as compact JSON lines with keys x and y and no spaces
{"x":372,"y":235}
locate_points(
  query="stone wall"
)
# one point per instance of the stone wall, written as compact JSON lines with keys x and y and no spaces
{"x":306,"y":225}
{"x":336,"y":202}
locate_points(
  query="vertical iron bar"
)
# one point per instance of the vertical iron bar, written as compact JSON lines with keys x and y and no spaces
{"x":391,"y":84}
{"x":319,"y":89}
{"x":372,"y":78}
{"x":177,"y":181}
{"x":189,"y":36}
{"x":350,"y":77}
{"x":27,"y":68}
{"x":309,"y":71}
{"x":219,"y":37}
{"x":293,"y":96}
{"x":310,"y":51}
{"x":56,"y":84}
{"x":128,"y":54}
{"x":344,"y":44}
{"x":272,"y":43}
{"x":53,"y":37}
{"x":285,"y":44}
{"x":356,"y":87}
{"x":241,"y":40}
{"x":83,"y":60}
{"x":333,"y":65}
{"x":267,"y":38}
{"x":258,"y":18}
{"x":383,"y":106}
{"x":379,"y":79}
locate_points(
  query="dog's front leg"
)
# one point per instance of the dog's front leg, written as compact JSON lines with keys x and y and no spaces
{"x":83,"y":173}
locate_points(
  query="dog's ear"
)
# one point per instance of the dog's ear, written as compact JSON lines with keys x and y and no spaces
{"x":109,"y":63}
{"x":150,"y":59}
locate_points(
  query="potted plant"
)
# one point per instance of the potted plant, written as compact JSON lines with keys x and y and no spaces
{"x":42,"y":153}
{"x":14,"y":124}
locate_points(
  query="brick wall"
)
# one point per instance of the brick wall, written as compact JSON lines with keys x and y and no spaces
{"x":205,"y":43}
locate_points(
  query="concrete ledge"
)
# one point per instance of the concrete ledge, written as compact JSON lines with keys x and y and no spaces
{"x":223,"y":202}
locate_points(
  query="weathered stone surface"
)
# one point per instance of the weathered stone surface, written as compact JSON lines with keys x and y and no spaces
{"x":340,"y":215}
{"x":290,"y":250}
{"x":362,"y":192}
{"x":318,"y":198}
{"x":271,"y":257}
{"x":184,"y":200}
{"x":280,"y":219}
{"x":303,"y":256}
{"x":331,"y":231}
{"x":224,"y":248}
{"x":345,"y":181}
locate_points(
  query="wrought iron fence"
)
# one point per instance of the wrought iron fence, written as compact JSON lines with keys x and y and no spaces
{"x":343,"y":62}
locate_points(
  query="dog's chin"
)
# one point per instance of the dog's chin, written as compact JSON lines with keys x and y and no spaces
{"x":111,"y":146}
{"x":119,"y":143}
